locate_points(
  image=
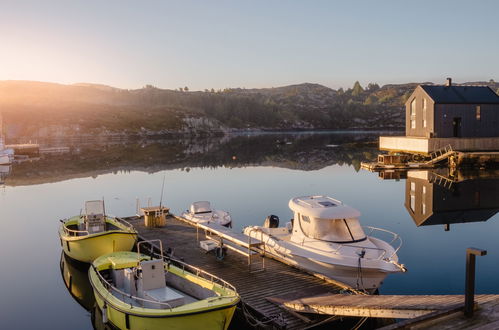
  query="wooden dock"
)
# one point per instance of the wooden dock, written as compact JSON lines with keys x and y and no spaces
{"x":254,"y":287}
{"x":381,"y":306}
{"x":284,"y":297}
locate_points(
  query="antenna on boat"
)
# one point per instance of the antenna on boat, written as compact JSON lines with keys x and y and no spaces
{"x":162,"y":189}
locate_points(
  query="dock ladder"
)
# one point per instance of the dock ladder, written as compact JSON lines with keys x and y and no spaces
{"x":440,"y":154}
{"x":441,"y":180}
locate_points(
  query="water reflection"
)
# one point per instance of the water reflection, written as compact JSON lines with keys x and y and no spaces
{"x":4,"y":172}
{"x":438,"y":197}
{"x":304,"y":151}
{"x":75,"y":277}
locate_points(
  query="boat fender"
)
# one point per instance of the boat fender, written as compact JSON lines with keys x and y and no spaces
{"x":272,"y":221}
{"x":104,"y":314}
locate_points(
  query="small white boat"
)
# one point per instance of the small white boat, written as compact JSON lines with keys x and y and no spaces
{"x":201,"y":212}
{"x":325,"y":237}
{"x":4,"y":159}
{"x":6,"y":154}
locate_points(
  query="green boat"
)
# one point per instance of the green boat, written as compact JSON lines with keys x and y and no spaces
{"x":88,"y":236}
{"x":135,"y":291}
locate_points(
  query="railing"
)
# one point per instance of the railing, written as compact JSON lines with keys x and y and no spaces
{"x":123,"y":221}
{"x":441,"y":152}
{"x":77,"y":232}
{"x":73,"y":232}
{"x":191,"y":269}
{"x":396,"y":239}
{"x":110,"y":288}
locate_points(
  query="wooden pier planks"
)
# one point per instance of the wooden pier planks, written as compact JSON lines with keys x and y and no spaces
{"x":253,"y":287}
{"x":382,"y":306}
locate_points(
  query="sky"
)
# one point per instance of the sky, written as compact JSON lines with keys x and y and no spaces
{"x":248,"y":44}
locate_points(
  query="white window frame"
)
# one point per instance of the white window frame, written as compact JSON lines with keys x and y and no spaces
{"x":424,"y":112}
{"x":413,"y":113}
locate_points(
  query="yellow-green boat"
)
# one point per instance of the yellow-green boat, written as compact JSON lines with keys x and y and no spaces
{"x":137,"y":292}
{"x":88,"y":236}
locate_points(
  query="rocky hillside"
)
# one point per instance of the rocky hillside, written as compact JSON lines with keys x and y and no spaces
{"x":38,"y":109}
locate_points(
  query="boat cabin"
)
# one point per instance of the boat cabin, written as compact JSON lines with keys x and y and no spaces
{"x":326,"y":219}
{"x":94,"y":220}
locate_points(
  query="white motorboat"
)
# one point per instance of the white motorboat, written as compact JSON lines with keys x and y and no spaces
{"x":325,"y":237}
{"x":201,"y":212}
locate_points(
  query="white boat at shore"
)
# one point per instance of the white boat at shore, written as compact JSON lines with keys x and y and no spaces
{"x":325,"y":237}
{"x":6,"y":155}
{"x":201,"y":212}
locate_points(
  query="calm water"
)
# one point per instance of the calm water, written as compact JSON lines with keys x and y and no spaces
{"x":251,"y":177}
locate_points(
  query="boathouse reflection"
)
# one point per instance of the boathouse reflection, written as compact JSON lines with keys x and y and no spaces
{"x":433,"y":198}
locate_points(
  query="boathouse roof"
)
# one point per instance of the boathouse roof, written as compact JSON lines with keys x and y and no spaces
{"x":461,"y":94}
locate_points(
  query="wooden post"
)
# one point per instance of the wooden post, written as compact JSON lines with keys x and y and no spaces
{"x":469,"y":298}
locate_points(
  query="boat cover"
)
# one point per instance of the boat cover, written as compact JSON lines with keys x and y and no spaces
{"x":200,"y":207}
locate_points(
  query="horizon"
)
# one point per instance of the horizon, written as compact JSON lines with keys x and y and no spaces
{"x":130,"y":44}
{"x":96,"y":84}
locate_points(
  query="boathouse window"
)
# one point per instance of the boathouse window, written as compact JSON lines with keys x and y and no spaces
{"x":478,"y":112}
{"x":424,"y":112}
{"x":423,"y":203}
{"x":413,"y":113}
{"x":413,"y":196}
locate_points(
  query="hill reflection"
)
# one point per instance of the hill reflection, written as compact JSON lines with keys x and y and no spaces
{"x":304,"y":151}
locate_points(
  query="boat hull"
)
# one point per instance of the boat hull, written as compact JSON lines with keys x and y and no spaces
{"x":352,"y":277}
{"x":349,"y":270}
{"x":88,"y":248}
{"x":214,"y":319}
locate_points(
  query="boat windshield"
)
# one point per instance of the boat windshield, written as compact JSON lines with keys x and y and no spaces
{"x":333,"y":230}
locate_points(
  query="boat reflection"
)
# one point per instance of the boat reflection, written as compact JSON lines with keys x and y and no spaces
{"x":75,"y":277}
{"x":4,"y":172}
{"x":441,"y":198}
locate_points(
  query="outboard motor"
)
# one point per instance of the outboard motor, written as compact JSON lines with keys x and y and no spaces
{"x":272,"y":221}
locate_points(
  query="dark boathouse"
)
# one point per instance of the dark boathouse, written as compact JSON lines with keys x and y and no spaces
{"x":448,"y":111}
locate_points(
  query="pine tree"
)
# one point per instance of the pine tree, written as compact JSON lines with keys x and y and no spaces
{"x":357,"y":89}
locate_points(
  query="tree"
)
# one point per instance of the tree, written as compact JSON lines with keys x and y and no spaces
{"x":357,"y":89}
{"x":371,"y":99}
{"x":341,"y":91}
{"x":213,"y":90}
{"x":180,"y":89}
{"x":186,"y":89}
{"x":372,"y":87}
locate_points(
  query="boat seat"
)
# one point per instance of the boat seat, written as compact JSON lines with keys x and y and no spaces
{"x":164,"y":295}
{"x":153,"y":274}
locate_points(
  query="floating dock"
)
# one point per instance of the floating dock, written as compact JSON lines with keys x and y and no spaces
{"x":256,"y":288}
{"x":29,"y":149}
{"x":275,"y":295}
